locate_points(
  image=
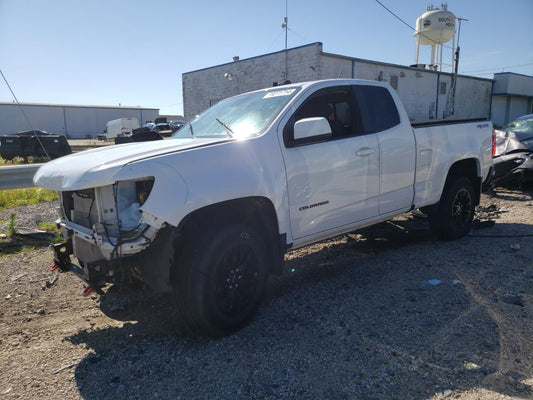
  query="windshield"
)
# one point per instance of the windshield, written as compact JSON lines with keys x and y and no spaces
{"x":524,"y":125}
{"x":240,"y":116}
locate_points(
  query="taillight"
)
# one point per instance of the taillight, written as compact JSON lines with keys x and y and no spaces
{"x":493,"y":143}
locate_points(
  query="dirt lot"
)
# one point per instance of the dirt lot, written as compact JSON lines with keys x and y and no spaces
{"x":353,"y":318}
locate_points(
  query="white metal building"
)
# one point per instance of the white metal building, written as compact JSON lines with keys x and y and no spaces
{"x":426,"y":94}
{"x":512,"y":97}
{"x":74,"y":121}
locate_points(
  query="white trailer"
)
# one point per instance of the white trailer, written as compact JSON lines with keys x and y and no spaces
{"x":119,"y":127}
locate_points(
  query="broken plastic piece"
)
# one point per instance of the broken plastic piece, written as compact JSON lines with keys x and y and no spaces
{"x":88,"y":290}
{"x":54,"y":267}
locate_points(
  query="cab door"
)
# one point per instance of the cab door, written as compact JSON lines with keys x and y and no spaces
{"x":333,"y":180}
{"x":397,"y":145}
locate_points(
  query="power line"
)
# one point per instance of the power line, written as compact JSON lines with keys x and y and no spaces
{"x":497,"y":68}
{"x":409,"y":26}
{"x":25,"y":116}
{"x":306,"y":40}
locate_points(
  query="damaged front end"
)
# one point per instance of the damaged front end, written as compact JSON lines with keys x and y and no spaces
{"x":513,"y":159}
{"x":107,"y":231}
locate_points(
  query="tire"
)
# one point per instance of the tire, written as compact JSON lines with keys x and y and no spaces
{"x":452,"y":218}
{"x":220,"y":279}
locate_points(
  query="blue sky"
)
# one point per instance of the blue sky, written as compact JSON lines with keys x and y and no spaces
{"x":133,"y":52}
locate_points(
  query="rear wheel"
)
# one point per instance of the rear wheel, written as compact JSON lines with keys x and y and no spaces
{"x":452,"y":217}
{"x":220,"y":279}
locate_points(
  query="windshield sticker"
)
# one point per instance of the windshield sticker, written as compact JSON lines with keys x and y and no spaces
{"x":279,"y":93}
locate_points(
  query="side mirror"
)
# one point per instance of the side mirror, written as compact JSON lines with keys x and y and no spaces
{"x":312,"y":128}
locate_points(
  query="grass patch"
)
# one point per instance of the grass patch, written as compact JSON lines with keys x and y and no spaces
{"x":49,"y":227}
{"x":10,"y":241}
{"x":16,"y":244}
{"x":21,"y":160}
{"x":11,"y":227}
{"x":13,"y":243}
{"x":23,"y":197}
{"x":52,"y":228}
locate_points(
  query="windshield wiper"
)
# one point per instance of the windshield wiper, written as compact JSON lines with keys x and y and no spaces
{"x":227,"y":128}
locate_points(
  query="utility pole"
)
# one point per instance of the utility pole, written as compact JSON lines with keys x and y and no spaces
{"x":456,"y":69}
{"x":285,"y":25}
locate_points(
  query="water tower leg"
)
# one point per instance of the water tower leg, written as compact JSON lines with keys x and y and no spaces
{"x":417,"y":50}
{"x":433,"y":55}
{"x":440,"y":58}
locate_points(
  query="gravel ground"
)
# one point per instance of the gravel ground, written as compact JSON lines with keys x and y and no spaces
{"x":30,"y":216}
{"x":353,"y":318}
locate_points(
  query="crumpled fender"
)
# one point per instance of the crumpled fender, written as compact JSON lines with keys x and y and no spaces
{"x":164,"y":197}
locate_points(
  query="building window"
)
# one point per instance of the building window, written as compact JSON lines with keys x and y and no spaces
{"x":443,"y":88}
{"x":394,"y":81}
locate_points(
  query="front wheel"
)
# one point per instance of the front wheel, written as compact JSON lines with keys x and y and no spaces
{"x":452,"y":217}
{"x":221,"y":278}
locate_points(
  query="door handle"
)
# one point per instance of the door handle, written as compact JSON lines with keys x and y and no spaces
{"x":364,"y":151}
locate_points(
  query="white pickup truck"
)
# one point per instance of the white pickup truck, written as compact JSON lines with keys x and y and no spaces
{"x":209,"y":213}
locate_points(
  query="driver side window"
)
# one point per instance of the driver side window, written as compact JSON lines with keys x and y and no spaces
{"x":336,"y":106}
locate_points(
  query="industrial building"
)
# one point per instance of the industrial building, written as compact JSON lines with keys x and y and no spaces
{"x":426,"y":93}
{"x":512,"y":97}
{"x":74,"y":121}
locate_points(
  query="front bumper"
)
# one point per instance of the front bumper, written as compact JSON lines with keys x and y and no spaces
{"x":62,"y":261}
{"x":101,"y":259}
{"x":513,"y":166}
{"x":96,"y":273}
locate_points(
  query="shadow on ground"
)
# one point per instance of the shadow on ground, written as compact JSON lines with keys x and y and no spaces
{"x":353,"y":318}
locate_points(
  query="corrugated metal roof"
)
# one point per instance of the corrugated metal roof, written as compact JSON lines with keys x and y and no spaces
{"x":77,"y":106}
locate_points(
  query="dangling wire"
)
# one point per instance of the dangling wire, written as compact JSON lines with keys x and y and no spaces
{"x":25,"y":116}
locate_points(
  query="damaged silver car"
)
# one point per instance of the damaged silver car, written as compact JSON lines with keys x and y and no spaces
{"x":513,"y":160}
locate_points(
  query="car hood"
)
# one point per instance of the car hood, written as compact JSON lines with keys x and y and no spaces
{"x":97,"y":167}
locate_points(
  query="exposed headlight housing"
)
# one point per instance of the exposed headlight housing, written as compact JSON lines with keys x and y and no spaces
{"x":130,"y":196}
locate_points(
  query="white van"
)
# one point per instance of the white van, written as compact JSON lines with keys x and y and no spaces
{"x":119,"y":127}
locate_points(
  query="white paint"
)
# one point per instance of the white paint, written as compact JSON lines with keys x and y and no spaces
{"x":318,"y":190}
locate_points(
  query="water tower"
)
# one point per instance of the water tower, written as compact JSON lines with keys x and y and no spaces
{"x":434,"y":28}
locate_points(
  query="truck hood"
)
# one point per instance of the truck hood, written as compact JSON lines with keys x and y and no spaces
{"x":97,"y":167}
